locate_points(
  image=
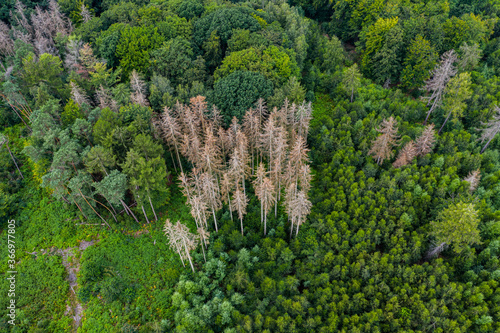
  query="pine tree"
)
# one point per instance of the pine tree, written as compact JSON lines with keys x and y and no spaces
{"x":78,"y":95}
{"x":239,"y":204}
{"x":441,"y":74}
{"x":351,"y":80}
{"x":181,"y":240}
{"x":382,"y":145}
{"x":199,"y":210}
{"x":251,"y":129}
{"x":267,"y":197}
{"x":473,"y":179}
{"x":208,"y":184}
{"x":171,"y":132}
{"x":457,"y":225}
{"x":210,"y":155}
{"x":425,"y":142}
{"x":225,"y":190}
{"x":470,"y":56}
{"x":457,"y":91}
{"x":204,"y":237}
{"x":491,"y":129}
{"x":406,"y":155}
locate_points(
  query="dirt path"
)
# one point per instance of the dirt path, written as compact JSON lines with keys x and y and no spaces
{"x":72,"y":269}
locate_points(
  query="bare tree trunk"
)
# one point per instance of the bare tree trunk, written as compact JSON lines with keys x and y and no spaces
{"x":100,"y":203}
{"x":109,"y":203}
{"x":173,"y":160}
{"x":445,"y":121}
{"x":241,"y":222}
{"x":352,"y":93}
{"x":230,"y":210}
{"x":188,"y":255}
{"x":93,"y":208}
{"x":144,"y":212}
{"x":13,"y":159}
{"x":430,"y":111}
{"x":156,"y":217}
{"x":127,"y":208}
{"x":487,"y":143}
{"x":178,"y":157}
{"x":76,"y":204}
{"x":179,"y":251}
{"x":203,"y":249}
{"x":215,"y":220}
{"x":265,"y":222}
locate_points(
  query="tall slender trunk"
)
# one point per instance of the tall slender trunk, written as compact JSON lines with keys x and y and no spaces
{"x":178,"y":157}
{"x":77,"y":205}
{"x":100,"y":203}
{"x":230,"y":210}
{"x":265,"y":220}
{"x":215,"y":220}
{"x":188,"y":255}
{"x":487,"y":143}
{"x":430,"y":110}
{"x":156,"y":217}
{"x":144,"y":212}
{"x":241,"y":222}
{"x":179,"y":251}
{"x":173,"y":160}
{"x":298,"y":225}
{"x":13,"y":159}
{"x":445,"y":121}
{"x":93,"y":208}
{"x":352,"y":93}
{"x":203,"y":249}
{"x":127,"y":208}
{"x":109,"y":203}
{"x":261,"y":213}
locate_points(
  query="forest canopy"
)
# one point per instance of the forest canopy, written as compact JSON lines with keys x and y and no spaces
{"x":250,"y":166}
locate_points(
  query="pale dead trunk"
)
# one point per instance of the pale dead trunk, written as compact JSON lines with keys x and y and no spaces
{"x":156,"y":217}
{"x":14,"y":160}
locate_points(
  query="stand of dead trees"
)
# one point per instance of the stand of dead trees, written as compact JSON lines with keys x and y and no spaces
{"x":268,"y":150}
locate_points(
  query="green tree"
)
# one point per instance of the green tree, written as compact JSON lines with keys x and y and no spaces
{"x":351,"y":80}
{"x":273,"y":62}
{"x":172,"y":60}
{"x":457,"y":225}
{"x":134,"y":47}
{"x":238,"y":91}
{"x":457,"y":92}
{"x":420,"y":60}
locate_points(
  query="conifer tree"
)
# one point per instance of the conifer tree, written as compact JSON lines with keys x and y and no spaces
{"x":208,"y":184}
{"x":181,"y":240}
{"x":491,"y":129}
{"x":425,"y":142}
{"x":171,"y":131}
{"x":473,"y":179}
{"x":267,"y":197}
{"x":78,"y":95}
{"x":382,"y":145}
{"x":406,"y":155}
{"x":239,"y":204}
{"x":457,"y":91}
{"x":457,"y":225}
{"x":204,"y":237}
{"x":351,"y":80}
{"x":138,"y":86}
{"x":441,"y":74}
{"x":225,"y":190}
